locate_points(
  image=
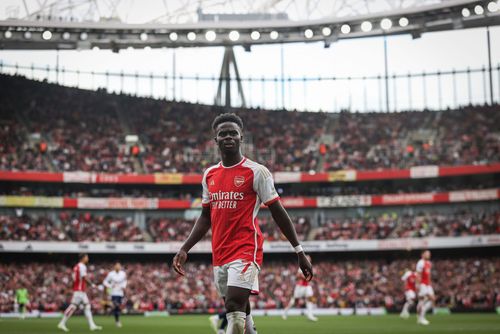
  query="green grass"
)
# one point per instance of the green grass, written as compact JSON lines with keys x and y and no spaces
{"x":453,"y":324}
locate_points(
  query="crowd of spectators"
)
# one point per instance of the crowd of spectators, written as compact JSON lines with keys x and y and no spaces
{"x":81,"y":226}
{"x":466,"y":283}
{"x":85,"y":131}
{"x":415,"y":225}
{"x":470,"y":135}
{"x":84,"y":226}
{"x":170,"y":229}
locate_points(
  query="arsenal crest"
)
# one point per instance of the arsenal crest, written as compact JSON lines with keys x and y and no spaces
{"x":239,"y":180}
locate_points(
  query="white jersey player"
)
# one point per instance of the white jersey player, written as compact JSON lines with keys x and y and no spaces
{"x":303,"y":289}
{"x":80,"y":281}
{"x":116,"y":282}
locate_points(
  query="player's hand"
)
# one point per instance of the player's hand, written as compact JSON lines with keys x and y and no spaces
{"x":179,"y":260}
{"x":305,"y":266}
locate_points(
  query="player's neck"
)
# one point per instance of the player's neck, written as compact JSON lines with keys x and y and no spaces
{"x":229,"y":160}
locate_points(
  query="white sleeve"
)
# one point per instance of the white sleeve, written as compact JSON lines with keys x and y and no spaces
{"x":420,"y":266}
{"x":83,"y":271}
{"x":106,"y":282}
{"x":405,"y":275}
{"x":205,"y":197}
{"x":264,"y":186}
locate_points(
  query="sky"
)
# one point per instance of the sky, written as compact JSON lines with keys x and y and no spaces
{"x":432,"y":52}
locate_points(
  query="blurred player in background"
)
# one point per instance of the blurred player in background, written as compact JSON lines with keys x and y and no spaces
{"x":409,"y":278}
{"x":233,"y":191}
{"x":22,"y":300}
{"x":80,"y":281}
{"x":302,"y":290}
{"x":116,"y":282}
{"x":425,"y":290}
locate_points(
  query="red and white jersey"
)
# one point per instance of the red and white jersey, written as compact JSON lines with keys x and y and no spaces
{"x":424,"y":269}
{"x":301,"y":280}
{"x":234,"y":195}
{"x":79,"y":272}
{"x":409,"y":279}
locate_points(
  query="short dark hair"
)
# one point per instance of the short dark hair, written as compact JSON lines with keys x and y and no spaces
{"x":227,"y":117}
{"x":81,"y":256}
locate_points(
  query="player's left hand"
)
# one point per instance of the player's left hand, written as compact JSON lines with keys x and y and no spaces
{"x":306,"y":266}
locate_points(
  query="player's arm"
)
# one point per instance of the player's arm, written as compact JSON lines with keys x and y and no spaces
{"x":124,"y":283}
{"x":89,"y":282}
{"x":285,"y":224}
{"x":106,"y":282}
{"x":418,"y":276}
{"x":200,"y":228}
{"x":85,"y":277}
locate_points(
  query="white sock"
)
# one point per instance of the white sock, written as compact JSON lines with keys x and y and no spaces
{"x":423,"y":309}
{"x":406,"y":307}
{"x":428,"y":305}
{"x":289,"y":306}
{"x":249,"y":325}
{"x":68,"y":313}
{"x":88,"y":315}
{"x":235,"y":322}
{"x":309,"y":306}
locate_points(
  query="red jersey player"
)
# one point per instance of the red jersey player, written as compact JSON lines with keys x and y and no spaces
{"x":425,"y":291}
{"x":233,"y":191}
{"x":409,"y":278}
{"x":303,"y":289}
{"x":80,"y":281}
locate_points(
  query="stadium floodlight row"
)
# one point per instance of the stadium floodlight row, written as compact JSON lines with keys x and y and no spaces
{"x":21,"y":34}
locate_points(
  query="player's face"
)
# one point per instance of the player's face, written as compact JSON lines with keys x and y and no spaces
{"x":118,"y":267}
{"x":228,"y":137}
{"x":85,"y":259}
{"x":427,"y":255}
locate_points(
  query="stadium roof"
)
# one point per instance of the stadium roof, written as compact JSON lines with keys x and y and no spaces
{"x":188,"y":11}
{"x":118,"y":24}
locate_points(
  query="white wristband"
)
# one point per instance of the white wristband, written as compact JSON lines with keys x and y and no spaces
{"x":298,"y":249}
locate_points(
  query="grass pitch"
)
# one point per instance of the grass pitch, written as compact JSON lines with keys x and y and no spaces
{"x":184,"y":324}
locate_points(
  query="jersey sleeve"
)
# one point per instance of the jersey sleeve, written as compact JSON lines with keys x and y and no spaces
{"x":420,"y":266}
{"x":264,"y":186}
{"x":106,"y":282}
{"x":83,"y":271}
{"x":205,"y":197}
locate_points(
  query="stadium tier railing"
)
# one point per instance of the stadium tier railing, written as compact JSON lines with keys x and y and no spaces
{"x":204,"y":247}
{"x":417,"y":172}
{"x":340,"y":201}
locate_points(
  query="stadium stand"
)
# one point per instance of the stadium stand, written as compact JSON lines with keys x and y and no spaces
{"x":465,"y":283}
{"x":67,"y":129}
{"x":85,"y":226}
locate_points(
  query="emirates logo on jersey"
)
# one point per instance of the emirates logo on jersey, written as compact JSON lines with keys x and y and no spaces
{"x":239,"y":180}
